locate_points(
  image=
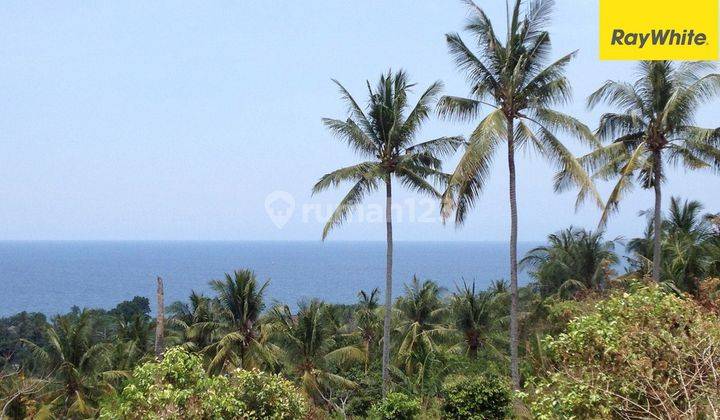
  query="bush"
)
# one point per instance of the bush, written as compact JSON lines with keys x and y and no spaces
{"x":476,"y":398}
{"x":368,"y":391}
{"x":264,"y":395}
{"x":644,"y":354}
{"x":178,"y":388}
{"x":396,"y":406}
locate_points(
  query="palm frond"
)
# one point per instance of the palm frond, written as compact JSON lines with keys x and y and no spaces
{"x":354,"y":173}
{"x":355,"y":137}
{"x":348,"y":203}
{"x":623,"y":95}
{"x":439,"y":147}
{"x":457,"y":108}
{"x":571,"y":173}
{"x":476,"y":71}
{"x":623,"y":184}
{"x":474,"y":168}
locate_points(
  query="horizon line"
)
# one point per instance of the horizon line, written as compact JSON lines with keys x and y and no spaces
{"x":272,"y":240}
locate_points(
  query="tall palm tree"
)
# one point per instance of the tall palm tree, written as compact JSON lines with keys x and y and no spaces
{"x":654,"y":125}
{"x":240,"y":342}
{"x":308,"y":346}
{"x":574,"y":259}
{"x":515,"y":82}
{"x":385,"y":136}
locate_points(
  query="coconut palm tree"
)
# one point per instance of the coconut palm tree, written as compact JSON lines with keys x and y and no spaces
{"x":78,"y":364}
{"x":385,"y":135}
{"x":688,"y":246}
{"x":653,"y":127}
{"x":308,"y":346}
{"x":574,"y":259}
{"x":475,"y":318}
{"x":515,"y":82}
{"x":136,"y":329}
{"x":368,"y":325}
{"x":191,"y":322}
{"x":240,"y":341}
{"x":420,"y":314}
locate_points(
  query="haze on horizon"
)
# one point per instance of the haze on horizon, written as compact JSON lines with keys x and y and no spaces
{"x":136,"y":120}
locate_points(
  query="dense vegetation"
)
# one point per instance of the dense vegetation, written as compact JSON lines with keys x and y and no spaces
{"x":598,"y":333}
{"x":596,"y":337}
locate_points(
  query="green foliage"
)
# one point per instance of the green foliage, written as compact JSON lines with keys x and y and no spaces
{"x":652,"y":126}
{"x":514,"y":76}
{"x":575,"y":260}
{"x":385,"y":137}
{"x":396,"y":406}
{"x":264,"y":395}
{"x":309,"y":347}
{"x":25,"y":325}
{"x":477,"y":317}
{"x":171,"y":388}
{"x":191,"y":323}
{"x":476,"y":398}
{"x":367,"y":393}
{"x":138,"y":306}
{"x":645,"y":353}
{"x":78,"y":362}
{"x":178,"y":388}
{"x":420,"y":324}
{"x":690,"y":246}
{"x":240,"y":342}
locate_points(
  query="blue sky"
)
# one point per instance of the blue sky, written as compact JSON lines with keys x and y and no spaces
{"x":175,"y":120}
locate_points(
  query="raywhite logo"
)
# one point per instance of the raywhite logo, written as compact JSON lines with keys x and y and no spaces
{"x":280,"y":206}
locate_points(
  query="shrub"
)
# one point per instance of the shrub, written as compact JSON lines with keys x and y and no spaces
{"x":396,"y":406}
{"x":368,"y":391}
{"x":646,"y":353}
{"x":178,"y":388}
{"x":476,"y":398}
{"x":265,"y":395}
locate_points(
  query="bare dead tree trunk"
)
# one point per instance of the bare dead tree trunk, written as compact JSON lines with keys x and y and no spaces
{"x":514,"y":333}
{"x":160,"y":322}
{"x":657,"y":223}
{"x":388,"y":288}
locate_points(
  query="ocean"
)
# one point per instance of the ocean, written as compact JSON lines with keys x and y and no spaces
{"x":53,"y":276}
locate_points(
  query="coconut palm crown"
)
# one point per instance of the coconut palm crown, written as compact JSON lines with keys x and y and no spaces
{"x":240,"y":339}
{"x":652,"y":126}
{"x":385,"y":136}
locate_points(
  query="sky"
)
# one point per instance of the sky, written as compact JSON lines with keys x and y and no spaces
{"x":172,"y":120}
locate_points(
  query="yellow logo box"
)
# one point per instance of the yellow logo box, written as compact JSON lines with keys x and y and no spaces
{"x":659,"y":29}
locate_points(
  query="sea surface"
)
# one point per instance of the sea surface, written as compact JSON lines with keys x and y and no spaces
{"x":51,"y":277}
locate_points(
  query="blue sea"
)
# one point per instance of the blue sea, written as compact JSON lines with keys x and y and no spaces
{"x":51,"y":277}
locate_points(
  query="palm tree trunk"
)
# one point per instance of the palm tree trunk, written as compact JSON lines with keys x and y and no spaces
{"x":160,"y":322}
{"x":366,"y":345}
{"x":388,"y":287}
{"x":657,"y":223}
{"x":473,"y":344}
{"x":514,"y":336}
